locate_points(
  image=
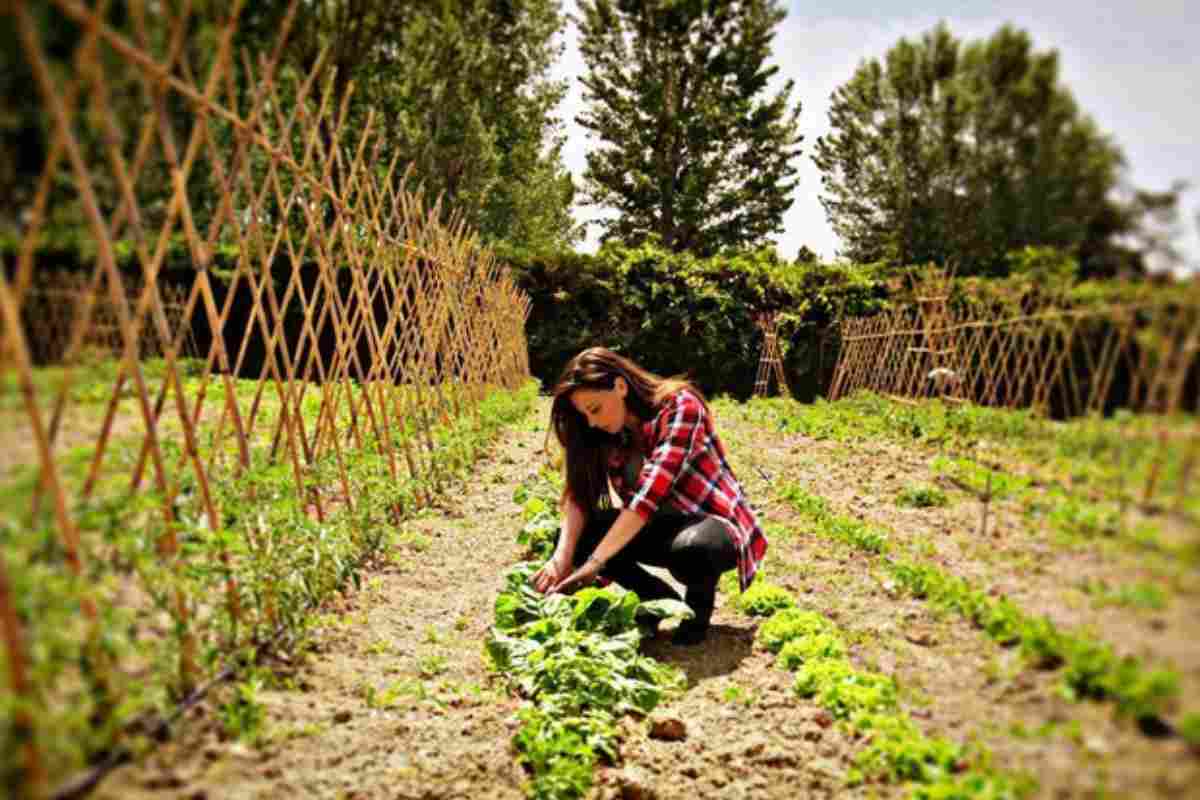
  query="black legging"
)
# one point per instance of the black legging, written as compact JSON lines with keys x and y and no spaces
{"x":695,"y":548}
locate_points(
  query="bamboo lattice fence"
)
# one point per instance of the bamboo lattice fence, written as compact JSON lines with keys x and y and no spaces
{"x":1037,"y":352}
{"x":386,"y":323}
{"x":54,"y":299}
{"x":1034,"y":352}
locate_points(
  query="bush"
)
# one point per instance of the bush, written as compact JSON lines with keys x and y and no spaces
{"x":642,"y":301}
{"x":922,"y":497}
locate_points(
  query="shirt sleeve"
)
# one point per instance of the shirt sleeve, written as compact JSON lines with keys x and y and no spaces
{"x":678,"y":435}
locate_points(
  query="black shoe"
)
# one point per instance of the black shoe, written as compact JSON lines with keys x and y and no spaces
{"x":647,"y":624}
{"x":689,"y":632}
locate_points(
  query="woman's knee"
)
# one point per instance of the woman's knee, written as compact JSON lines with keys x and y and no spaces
{"x":702,"y":551}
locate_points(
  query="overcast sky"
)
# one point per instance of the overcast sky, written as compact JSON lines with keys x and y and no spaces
{"x":1134,"y":68}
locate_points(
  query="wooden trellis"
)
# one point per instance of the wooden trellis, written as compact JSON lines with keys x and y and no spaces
{"x":1035,"y":351}
{"x":407,"y":325}
{"x":770,"y":363}
{"x":55,"y":298}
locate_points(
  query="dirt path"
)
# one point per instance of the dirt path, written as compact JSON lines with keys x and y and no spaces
{"x":395,"y":700}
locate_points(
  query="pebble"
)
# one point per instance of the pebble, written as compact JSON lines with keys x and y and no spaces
{"x":342,"y":716}
{"x":670,"y":729}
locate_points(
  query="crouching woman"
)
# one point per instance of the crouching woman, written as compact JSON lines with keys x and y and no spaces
{"x":652,"y":440}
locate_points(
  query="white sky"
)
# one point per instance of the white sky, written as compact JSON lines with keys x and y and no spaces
{"x":1135,"y":69}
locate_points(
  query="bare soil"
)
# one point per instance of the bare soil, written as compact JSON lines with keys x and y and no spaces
{"x":393,"y":698}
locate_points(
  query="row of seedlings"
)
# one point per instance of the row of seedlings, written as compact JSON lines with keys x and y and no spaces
{"x":1091,"y":669}
{"x":867,"y":704}
{"x":574,"y":659}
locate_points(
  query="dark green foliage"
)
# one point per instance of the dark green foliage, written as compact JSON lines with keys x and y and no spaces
{"x":962,"y":153}
{"x":644,"y":301}
{"x":693,"y":148}
{"x":460,"y":92}
{"x":921,"y":497}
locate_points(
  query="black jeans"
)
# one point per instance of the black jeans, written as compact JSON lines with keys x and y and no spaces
{"x":695,"y":548}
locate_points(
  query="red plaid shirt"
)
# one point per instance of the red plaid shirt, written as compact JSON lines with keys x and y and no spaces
{"x":686,"y":466}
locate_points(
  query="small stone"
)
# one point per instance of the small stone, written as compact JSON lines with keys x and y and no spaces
{"x":778,"y":758}
{"x":670,"y":729}
{"x":922,"y":636}
{"x":755,"y":747}
{"x":812,"y":735}
{"x":634,"y":785}
{"x":342,"y":716}
{"x":823,"y":718}
{"x":690,"y":772}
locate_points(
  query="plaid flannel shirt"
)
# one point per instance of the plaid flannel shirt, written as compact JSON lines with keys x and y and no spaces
{"x":686,"y":466}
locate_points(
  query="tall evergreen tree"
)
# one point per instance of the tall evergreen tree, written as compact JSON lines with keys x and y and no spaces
{"x":954,"y":153}
{"x":694,"y":148}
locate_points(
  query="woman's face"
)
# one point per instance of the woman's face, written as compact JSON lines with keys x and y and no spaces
{"x":602,"y":408}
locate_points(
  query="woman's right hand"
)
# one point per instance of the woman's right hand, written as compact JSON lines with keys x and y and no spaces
{"x":550,"y":574}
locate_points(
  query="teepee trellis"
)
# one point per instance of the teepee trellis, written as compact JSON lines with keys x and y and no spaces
{"x":770,"y":363}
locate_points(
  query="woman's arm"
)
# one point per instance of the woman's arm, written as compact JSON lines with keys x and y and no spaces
{"x":559,"y":565}
{"x":573,"y":523}
{"x":622,"y":531}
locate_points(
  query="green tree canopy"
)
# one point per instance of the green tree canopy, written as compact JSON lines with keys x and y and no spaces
{"x":693,"y":148}
{"x":460,"y":91}
{"x":462,"y":88}
{"x":960,"y":154}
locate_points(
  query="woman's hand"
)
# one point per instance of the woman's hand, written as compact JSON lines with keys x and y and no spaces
{"x":550,"y":574}
{"x":580,"y":577}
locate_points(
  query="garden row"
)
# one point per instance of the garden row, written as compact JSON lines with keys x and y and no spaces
{"x":227,"y":595}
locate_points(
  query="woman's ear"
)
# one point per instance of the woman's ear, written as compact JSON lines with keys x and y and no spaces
{"x":621,"y":386}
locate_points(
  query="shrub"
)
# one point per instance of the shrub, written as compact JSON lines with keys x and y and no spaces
{"x":917,"y":496}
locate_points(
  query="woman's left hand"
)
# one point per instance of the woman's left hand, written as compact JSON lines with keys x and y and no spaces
{"x":582,"y":576}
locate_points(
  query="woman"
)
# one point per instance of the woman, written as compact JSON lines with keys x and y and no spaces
{"x":652,"y":439}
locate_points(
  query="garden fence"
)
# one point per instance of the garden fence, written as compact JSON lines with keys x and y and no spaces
{"x":1033,"y":349}
{"x":373,"y":321}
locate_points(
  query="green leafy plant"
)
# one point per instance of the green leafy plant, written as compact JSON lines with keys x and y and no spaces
{"x":243,"y":715}
{"x":808,"y":648}
{"x":921,"y":496}
{"x":790,"y":623}
{"x":843,"y":690}
{"x":763,"y":599}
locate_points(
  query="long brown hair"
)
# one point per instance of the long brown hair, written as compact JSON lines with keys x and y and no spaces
{"x":587,"y":449}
